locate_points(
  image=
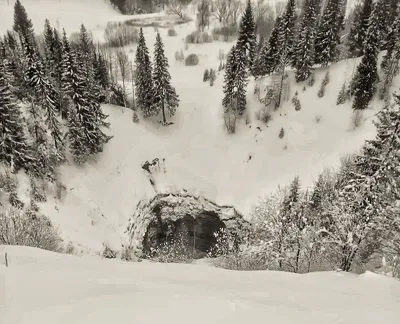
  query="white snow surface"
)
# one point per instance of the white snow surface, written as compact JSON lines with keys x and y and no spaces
{"x":41,"y":287}
{"x":201,"y":157}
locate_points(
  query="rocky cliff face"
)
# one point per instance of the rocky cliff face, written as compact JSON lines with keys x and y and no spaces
{"x":193,"y":221}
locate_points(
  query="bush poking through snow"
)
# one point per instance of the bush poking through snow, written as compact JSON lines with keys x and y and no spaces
{"x":19,"y":229}
{"x":197,"y":37}
{"x":206,"y":75}
{"x":230,"y":121}
{"x":135,"y":117}
{"x":172,"y":32}
{"x":296,"y":103}
{"x":61,"y":190}
{"x":127,"y":253}
{"x":264,"y":115}
{"x":38,"y":193}
{"x":108,"y":253}
{"x":311,"y":80}
{"x":213,"y":77}
{"x":221,"y":55}
{"x":344,"y":95}
{"x":192,"y":60}
{"x":281,"y":133}
{"x":318,"y":119}
{"x":324,"y":83}
{"x":357,"y":119}
{"x":117,"y":96}
{"x":179,"y":56}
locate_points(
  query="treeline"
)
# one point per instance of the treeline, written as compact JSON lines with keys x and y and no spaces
{"x":304,"y":37}
{"x":51,"y":90}
{"x":349,"y":219}
{"x":128,"y":7}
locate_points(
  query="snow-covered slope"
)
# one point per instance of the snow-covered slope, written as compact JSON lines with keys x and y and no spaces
{"x":42,"y":287}
{"x":200,"y":156}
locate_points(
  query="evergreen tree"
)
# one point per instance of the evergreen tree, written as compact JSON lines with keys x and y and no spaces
{"x":371,"y":189}
{"x":366,"y":74}
{"x":49,"y":44}
{"x":328,"y":33}
{"x":144,"y":81}
{"x":165,"y":97}
{"x":23,"y":25}
{"x":359,"y":28}
{"x":268,"y":59}
{"x":84,"y":116}
{"x":391,"y":43}
{"x":206,"y":75}
{"x":247,"y":36}
{"x":389,"y":14}
{"x":287,"y":34}
{"x":101,"y":72}
{"x":235,"y":82}
{"x":304,"y":50}
{"x":14,"y":149}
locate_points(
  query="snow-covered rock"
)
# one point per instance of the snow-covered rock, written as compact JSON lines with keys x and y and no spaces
{"x":165,"y":215}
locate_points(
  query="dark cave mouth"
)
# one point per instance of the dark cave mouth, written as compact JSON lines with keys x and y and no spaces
{"x":189,"y":237}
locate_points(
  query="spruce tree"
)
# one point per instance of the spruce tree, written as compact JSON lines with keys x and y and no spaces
{"x":85,"y":117}
{"x":23,"y":25}
{"x":391,"y":43}
{"x":144,"y":80}
{"x":286,"y":34}
{"x":268,"y":59}
{"x":101,"y":72}
{"x":165,"y":97}
{"x":14,"y":149}
{"x":358,"y":32}
{"x":304,"y":49}
{"x":328,"y":33}
{"x":229,"y":79}
{"x":366,"y":74}
{"x":247,"y":36}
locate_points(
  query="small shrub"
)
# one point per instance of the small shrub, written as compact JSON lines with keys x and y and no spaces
{"x":197,"y":37}
{"x":230,"y":121}
{"x":186,"y":46}
{"x":135,"y":117}
{"x":344,"y":95}
{"x":37,"y":192}
{"x":221,"y":55}
{"x":172,"y":32}
{"x":117,"y":95}
{"x":282,"y":133}
{"x":61,"y":190}
{"x":192,"y":60}
{"x":20,"y":229}
{"x":108,"y":253}
{"x":70,"y":248}
{"x":264,"y":115}
{"x":311,"y":80}
{"x":15,"y":202}
{"x":304,"y":89}
{"x":213,"y":77}
{"x":296,"y":103}
{"x":324,"y":83}
{"x":226,"y":32}
{"x":318,"y":119}
{"x":179,"y":56}
{"x":127,"y":253}
{"x":357,"y":119}
{"x":206,"y":75}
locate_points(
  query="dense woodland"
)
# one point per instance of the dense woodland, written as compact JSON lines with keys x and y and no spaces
{"x":52,"y":89}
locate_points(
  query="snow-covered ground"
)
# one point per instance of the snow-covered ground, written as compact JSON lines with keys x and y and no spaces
{"x":42,"y":287}
{"x":200,"y":156}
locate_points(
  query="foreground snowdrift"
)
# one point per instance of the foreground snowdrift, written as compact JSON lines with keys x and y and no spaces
{"x":48,"y":288}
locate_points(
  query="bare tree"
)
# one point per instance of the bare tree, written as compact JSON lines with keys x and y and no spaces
{"x":220,"y":10}
{"x":203,"y":14}
{"x":235,"y":8}
{"x":123,"y":64}
{"x":178,"y":7}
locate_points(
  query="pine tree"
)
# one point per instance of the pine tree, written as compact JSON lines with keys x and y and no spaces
{"x":14,"y":149}
{"x":358,"y":32}
{"x":247,"y":36}
{"x":23,"y":25}
{"x":101,"y":72}
{"x":392,"y":41}
{"x":165,"y":97}
{"x":389,"y":15}
{"x":235,"y":82}
{"x":287,"y":34}
{"x":328,"y":34}
{"x":84,"y":116}
{"x":366,"y":74}
{"x":390,"y":70}
{"x":206,"y":75}
{"x":144,"y":82}
{"x":304,"y":49}
{"x":268,"y":59}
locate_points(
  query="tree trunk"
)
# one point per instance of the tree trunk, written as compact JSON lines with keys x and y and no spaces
{"x":163,"y":112}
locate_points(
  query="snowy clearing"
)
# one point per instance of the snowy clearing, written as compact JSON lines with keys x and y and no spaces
{"x":43,"y":287}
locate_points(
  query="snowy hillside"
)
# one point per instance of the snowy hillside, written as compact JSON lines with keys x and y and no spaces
{"x":200,"y":157}
{"x":84,"y":290}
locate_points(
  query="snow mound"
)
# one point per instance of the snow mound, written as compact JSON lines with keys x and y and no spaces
{"x":83,"y":290}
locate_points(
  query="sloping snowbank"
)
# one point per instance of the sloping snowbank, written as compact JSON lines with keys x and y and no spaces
{"x":46,"y":288}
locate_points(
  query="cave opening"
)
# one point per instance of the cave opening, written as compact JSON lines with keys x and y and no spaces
{"x":190,"y":237}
